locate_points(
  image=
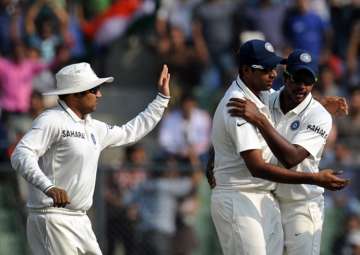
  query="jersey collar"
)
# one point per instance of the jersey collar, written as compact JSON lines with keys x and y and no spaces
{"x":298,"y":109}
{"x":71,"y":113}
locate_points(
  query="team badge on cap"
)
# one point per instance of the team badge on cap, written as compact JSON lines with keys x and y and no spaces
{"x":269,"y":47}
{"x":295,"y":125}
{"x":305,"y":57}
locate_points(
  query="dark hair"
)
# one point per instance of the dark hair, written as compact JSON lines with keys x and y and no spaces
{"x":129,"y":150}
{"x":36,"y":94}
{"x":63,"y":97}
{"x":186,"y":96}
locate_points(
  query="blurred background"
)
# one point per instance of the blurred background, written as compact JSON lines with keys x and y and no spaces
{"x":152,"y":197}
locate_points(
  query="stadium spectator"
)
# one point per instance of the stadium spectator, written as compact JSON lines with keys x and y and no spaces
{"x":328,"y":86}
{"x":175,"y":13}
{"x":185,"y":132}
{"x":11,"y":24}
{"x":185,"y":60}
{"x":349,"y":126}
{"x":45,"y":37}
{"x":121,"y":219}
{"x":348,"y":241}
{"x":304,"y":29}
{"x":213,"y":23}
{"x":157,"y":199}
{"x":353,"y":56}
{"x":267,"y":17}
{"x":16,"y":74}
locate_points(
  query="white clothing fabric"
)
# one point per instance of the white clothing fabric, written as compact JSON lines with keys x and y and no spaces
{"x":55,"y":232}
{"x":76,"y":78}
{"x":302,"y":223}
{"x":246,"y":217}
{"x":247,"y":222}
{"x":308,"y":126}
{"x":176,"y":134}
{"x":63,"y":150}
{"x":231,"y":135}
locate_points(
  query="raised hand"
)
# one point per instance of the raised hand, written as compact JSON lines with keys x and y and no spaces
{"x":164,"y":81}
{"x":59,"y":197}
{"x":245,"y":109}
{"x":328,"y":179}
{"x":336,"y":106}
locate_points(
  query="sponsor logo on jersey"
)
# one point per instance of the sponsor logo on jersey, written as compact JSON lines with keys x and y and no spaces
{"x":317,"y":130}
{"x":72,"y":133}
{"x":295,"y":125}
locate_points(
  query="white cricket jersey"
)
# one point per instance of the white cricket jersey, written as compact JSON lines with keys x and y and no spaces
{"x":231,"y":135}
{"x":63,"y":150}
{"x":307,"y":125}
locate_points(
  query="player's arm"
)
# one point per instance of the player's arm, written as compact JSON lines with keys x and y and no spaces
{"x":336,"y":106}
{"x":259,"y":169}
{"x":144,"y":122}
{"x":288,"y":154}
{"x":25,"y":158}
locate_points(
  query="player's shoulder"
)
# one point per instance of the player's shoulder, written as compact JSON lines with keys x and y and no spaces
{"x":98,"y":123}
{"x":51,"y":118}
{"x":318,"y":108}
{"x":234,"y":91}
{"x":273,"y":96}
{"x":101,"y":126}
{"x":317,"y":111}
{"x":52,"y":115}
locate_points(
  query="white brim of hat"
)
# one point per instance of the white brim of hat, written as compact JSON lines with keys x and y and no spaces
{"x":78,"y":89}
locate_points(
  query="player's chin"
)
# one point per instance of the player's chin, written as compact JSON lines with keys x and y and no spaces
{"x":268,"y":85}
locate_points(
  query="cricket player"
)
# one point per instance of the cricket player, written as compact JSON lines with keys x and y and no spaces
{"x":245,"y":213}
{"x":59,"y":158}
{"x":297,"y":139}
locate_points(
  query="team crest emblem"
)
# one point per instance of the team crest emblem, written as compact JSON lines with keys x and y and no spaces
{"x":295,"y":125}
{"x":269,"y":47}
{"x":93,"y":138}
{"x":305,"y":57}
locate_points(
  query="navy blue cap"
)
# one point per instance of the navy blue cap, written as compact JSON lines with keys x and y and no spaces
{"x":301,"y":60}
{"x":258,"y":54}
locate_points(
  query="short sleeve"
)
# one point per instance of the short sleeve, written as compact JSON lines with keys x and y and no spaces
{"x":314,"y":132}
{"x":243,"y":134}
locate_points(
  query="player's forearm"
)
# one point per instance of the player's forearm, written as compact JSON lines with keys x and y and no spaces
{"x":27,"y":165}
{"x":284,"y":151}
{"x":282,"y":175}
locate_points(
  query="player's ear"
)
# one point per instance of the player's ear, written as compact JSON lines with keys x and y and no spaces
{"x":246,"y":70}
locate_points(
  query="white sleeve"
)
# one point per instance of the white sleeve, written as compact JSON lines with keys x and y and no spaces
{"x":314,"y":132}
{"x":243,"y":134}
{"x":138,"y":127}
{"x":31,"y":147}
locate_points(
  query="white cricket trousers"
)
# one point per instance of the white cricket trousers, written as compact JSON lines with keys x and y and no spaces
{"x":247,"y":223}
{"x":302,"y":223}
{"x":56,"y":231}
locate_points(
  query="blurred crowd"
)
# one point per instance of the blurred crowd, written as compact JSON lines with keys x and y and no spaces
{"x":157,"y":203}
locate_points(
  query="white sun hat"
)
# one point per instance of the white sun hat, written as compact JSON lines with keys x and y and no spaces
{"x":76,"y":78}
